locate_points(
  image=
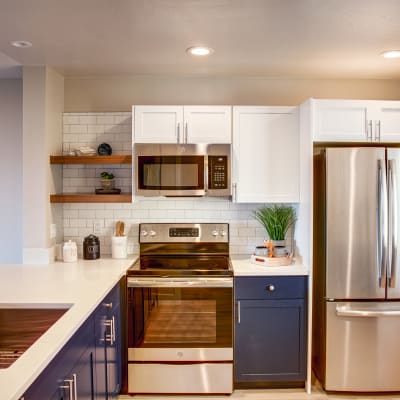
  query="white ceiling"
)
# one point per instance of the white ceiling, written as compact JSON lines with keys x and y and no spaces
{"x":272,"y":38}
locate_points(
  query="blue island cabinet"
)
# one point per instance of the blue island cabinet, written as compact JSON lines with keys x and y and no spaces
{"x":108,"y":346}
{"x":88,"y":366}
{"x":70,"y":373}
{"x":270,"y":331}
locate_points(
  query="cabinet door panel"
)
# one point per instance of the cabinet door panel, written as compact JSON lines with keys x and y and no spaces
{"x":388,"y":117}
{"x":342,"y":120}
{"x":157,"y":124}
{"x":62,"y":367}
{"x":270,"y":341}
{"x":207,"y":124}
{"x":266,"y":154}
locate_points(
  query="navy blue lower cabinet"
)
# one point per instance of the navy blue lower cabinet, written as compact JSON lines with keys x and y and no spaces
{"x":90,"y":363}
{"x":71,"y":370}
{"x":270,"y":330}
{"x":108,"y":346}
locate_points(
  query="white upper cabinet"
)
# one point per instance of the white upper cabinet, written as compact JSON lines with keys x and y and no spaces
{"x":265,"y":154}
{"x":356,"y":120}
{"x":157,"y":124}
{"x":387,"y":121}
{"x":208,"y":124}
{"x":182,"y":124}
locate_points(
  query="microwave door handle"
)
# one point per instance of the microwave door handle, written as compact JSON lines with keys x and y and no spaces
{"x":206,"y":175}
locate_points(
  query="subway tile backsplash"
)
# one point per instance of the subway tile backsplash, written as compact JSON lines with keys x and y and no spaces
{"x":115,"y":128}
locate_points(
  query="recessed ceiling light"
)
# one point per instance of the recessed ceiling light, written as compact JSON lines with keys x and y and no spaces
{"x":200,"y":51}
{"x":21,"y":43}
{"x":391,"y":54}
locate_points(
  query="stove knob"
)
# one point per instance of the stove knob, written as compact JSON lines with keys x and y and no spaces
{"x":144,"y":233}
{"x":223,"y":233}
{"x":152,"y":233}
{"x":214,"y":233}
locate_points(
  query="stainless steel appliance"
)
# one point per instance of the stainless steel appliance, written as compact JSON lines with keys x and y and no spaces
{"x":182,"y":170}
{"x":356,"y":264}
{"x":180,"y":310}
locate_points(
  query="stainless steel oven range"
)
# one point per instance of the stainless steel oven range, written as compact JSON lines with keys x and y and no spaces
{"x":180,"y":310}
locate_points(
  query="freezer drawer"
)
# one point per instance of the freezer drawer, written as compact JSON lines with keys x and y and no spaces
{"x":362,"y":346}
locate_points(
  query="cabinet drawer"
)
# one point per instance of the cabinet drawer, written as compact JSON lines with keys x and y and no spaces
{"x":271,"y":287}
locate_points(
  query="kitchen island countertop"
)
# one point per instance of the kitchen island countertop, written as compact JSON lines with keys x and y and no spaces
{"x":78,"y":286}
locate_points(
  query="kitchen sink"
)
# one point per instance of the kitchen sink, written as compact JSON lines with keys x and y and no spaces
{"x":20,"y":327}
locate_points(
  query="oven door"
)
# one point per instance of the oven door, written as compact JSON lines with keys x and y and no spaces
{"x":180,"y":319}
{"x":171,"y":175}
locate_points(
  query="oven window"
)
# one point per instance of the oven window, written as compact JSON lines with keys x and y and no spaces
{"x":180,"y":317}
{"x":171,"y":172}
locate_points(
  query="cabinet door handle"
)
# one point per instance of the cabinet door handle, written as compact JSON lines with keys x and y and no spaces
{"x":75,"y":387}
{"x":238,"y":312}
{"x":270,"y":288}
{"x":178,"y":132}
{"x":379,"y":130}
{"x":234,"y":194}
{"x":108,"y":305}
{"x":370,"y":130}
{"x":68,"y":385}
{"x":186,"y":132}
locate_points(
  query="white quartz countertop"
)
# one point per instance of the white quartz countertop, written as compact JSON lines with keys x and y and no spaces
{"x":242,"y":266}
{"x":79,"y":286}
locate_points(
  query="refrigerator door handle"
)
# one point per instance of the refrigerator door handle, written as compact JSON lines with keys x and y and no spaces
{"x":392,"y":194}
{"x":342,"y":311}
{"x":382,"y":217}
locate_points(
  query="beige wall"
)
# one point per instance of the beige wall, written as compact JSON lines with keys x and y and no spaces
{"x":119,"y":93}
{"x":11,"y":166}
{"x":43,"y":104}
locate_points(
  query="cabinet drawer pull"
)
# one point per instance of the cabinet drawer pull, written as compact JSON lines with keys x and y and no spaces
{"x":270,"y":288}
{"x":108,"y":305}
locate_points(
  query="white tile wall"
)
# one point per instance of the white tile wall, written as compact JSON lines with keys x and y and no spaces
{"x":91,"y":129}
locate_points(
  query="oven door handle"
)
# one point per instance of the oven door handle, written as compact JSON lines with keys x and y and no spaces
{"x":180,"y":282}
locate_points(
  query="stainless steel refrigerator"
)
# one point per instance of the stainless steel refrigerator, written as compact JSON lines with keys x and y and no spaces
{"x":356,"y":323}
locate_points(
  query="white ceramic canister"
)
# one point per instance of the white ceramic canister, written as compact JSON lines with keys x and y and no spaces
{"x":70,"y":252}
{"x":119,"y":246}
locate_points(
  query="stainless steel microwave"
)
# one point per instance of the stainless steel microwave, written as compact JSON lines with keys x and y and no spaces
{"x":182,"y":170}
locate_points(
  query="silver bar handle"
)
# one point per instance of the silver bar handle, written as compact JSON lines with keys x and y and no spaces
{"x":376,"y":131}
{"x":370,"y":130}
{"x":108,"y":305}
{"x":186,"y":132}
{"x":178,"y":132}
{"x":381,"y":221}
{"x":176,"y":282}
{"x":68,"y":385}
{"x":234,"y":194}
{"x":112,"y":341}
{"x":238,"y":312}
{"x":109,"y":337}
{"x":392,"y":192}
{"x":75,"y":387}
{"x":379,"y":130}
{"x":346,"y":312}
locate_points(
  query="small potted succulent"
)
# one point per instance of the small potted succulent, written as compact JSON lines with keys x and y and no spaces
{"x":276,"y":220}
{"x":107,"y":180}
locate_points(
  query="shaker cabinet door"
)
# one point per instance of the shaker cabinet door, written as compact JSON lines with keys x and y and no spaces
{"x":265,"y":155}
{"x":270,"y":341}
{"x":157,"y":124}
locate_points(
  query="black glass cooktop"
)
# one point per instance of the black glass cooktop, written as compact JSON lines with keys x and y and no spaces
{"x":182,"y":266}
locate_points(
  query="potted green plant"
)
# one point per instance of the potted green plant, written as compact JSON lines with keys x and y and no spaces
{"x":276,"y":220}
{"x":107,"y":180}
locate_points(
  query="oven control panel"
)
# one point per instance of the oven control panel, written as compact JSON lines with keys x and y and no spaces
{"x":170,"y":233}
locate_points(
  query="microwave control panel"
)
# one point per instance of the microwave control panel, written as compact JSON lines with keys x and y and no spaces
{"x":217,"y":172}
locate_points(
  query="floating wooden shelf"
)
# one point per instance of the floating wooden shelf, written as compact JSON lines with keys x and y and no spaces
{"x":116,"y":159}
{"x":90,"y":198}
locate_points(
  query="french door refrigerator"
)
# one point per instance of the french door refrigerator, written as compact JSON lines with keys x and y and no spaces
{"x":356,"y":324}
